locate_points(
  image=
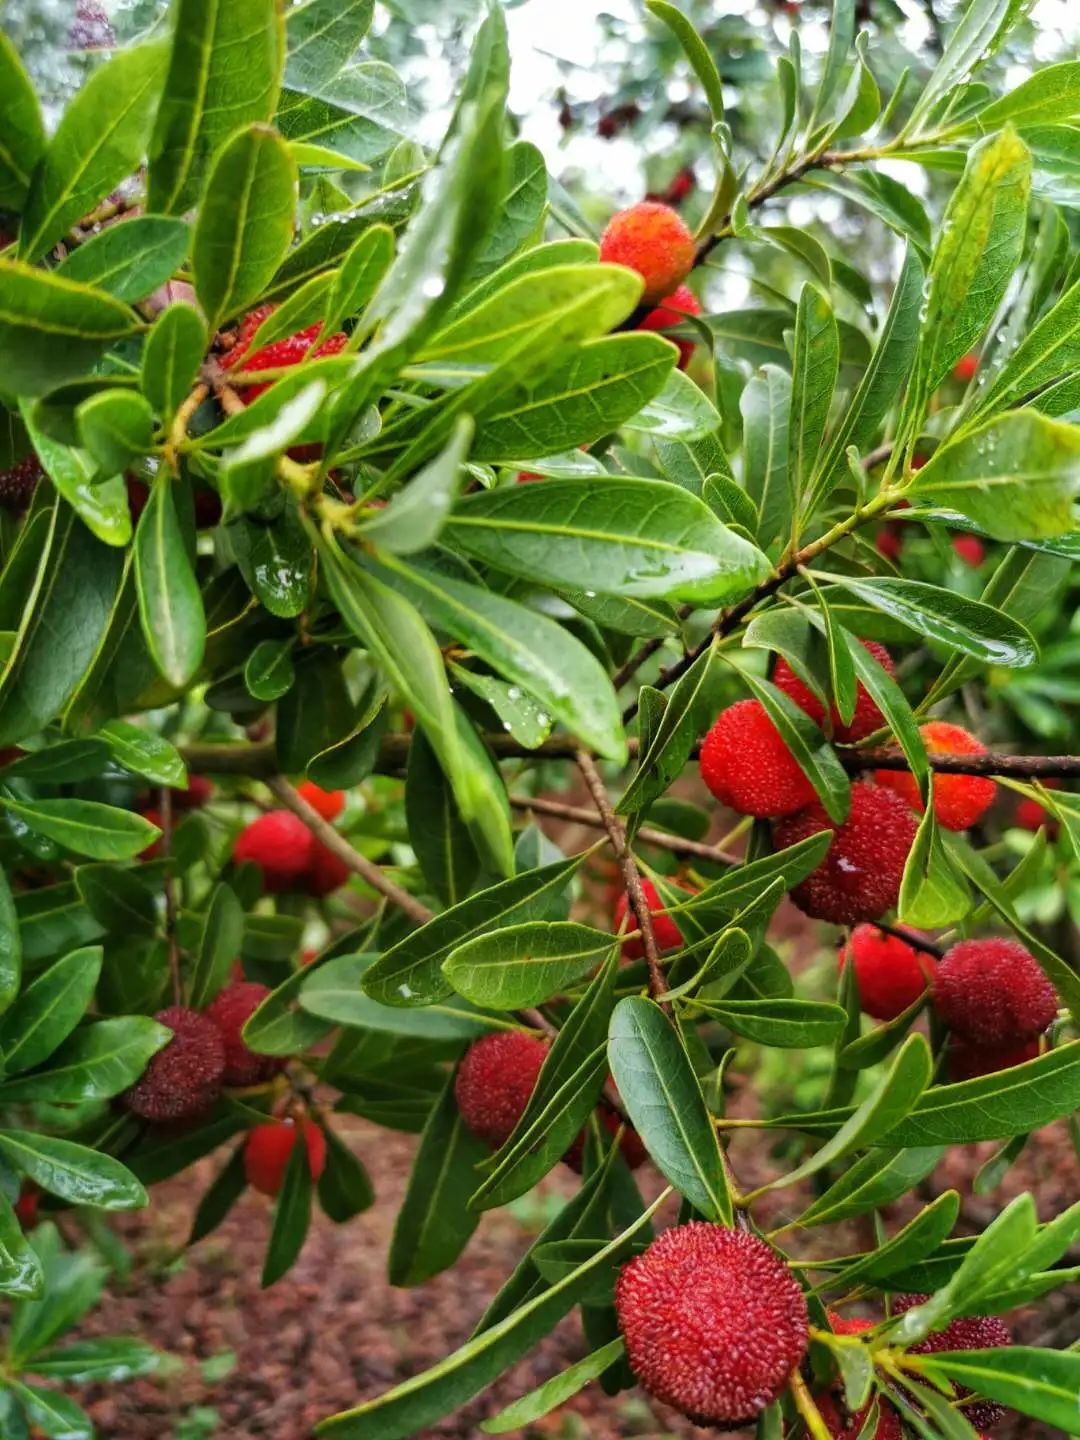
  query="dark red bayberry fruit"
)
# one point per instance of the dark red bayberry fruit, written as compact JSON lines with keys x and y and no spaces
{"x":969,"y":1332}
{"x":230,"y":1011}
{"x":867,"y":717}
{"x":18,"y":483}
{"x":495,"y":1080}
{"x":993,"y":992}
{"x":183,"y":1080}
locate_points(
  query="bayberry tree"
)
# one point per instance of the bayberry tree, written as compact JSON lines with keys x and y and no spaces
{"x":360,"y":502}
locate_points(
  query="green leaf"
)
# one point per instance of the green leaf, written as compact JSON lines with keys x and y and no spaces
{"x":102,"y":505}
{"x":437,"y":834}
{"x":783,"y":1024}
{"x":561,"y":1387}
{"x":102,"y":137}
{"x":697,"y":52}
{"x":410,"y":972}
{"x":525,"y":965}
{"x":275,"y":560}
{"x":54,"y":1413}
{"x":52,"y":328}
{"x":679,"y":411}
{"x":20,"y":1269}
{"x":11,"y":949}
{"x":592,"y":391}
{"x":112,"y":1357}
{"x":292,"y":1215}
{"x":269,"y":672}
{"x":224,"y":72}
{"x":528,"y":649}
{"x":1039,"y":1383}
{"x":131,"y":259}
{"x":245,"y":224}
{"x":73,"y":1172}
{"x":98,"y":1062}
{"x":172,"y":355}
{"x":344,"y":1188}
{"x":359,"y":117}
{"x":279,"y":1026}
{"x":435,"y":1223}
{"x":973,"y":41}
{"x":49,"y":1009}
{"x":977,"y":254}
{"x":323,"y":36}
{"x":816,"y":757}
{"x":629,"y":537}
{"x":87,"y":827}
{"x":413,"y":518}
{"x":361,"y":271}
{"x":170,"y":601}
{"x":22,"y":130}
{"x":932,"y":892}
{"x":118,"y":899}
{"x":219,"y":945}
{"x":918,"y":1238}
{"x":518,"y":211}
{"x":883,"y":1110}
{"x":219,"y":1198}
{"x":664,"y":758}
{"x":1017,"y":476}
{"x":334,"y":993}
{"x":1048,"y":97}
{"x":872,"y":1182}
{"x":144,"y":753}
{"x":970,"y":626}
{"x":765,"y":404}
{"x":413,"y":1406}
{"x":815,"y":366}
{"x":116,"y":427}
{"x":663,"y":1099}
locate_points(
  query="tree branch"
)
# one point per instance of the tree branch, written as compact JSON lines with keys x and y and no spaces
{"x":580,"y":816}
{"x":335,"y":842}
{"x":635,"y":894}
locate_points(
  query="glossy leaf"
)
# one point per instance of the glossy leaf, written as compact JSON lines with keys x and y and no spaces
{"x":525,"y":965}
{"x":292,"y":1216}
{"x":784,"y":1024}
{"x":11,"y":948}
{"x":96,"y":1063}
{"x":664,"y":758}
{"x":872,"y":1182}
{"x":323,"y":36}
{"x":334,"y":993}
{"x":437,"y":833}
{"x":815,"y":366}
{"x":170,"y":602}
{"x":86,"y":826}
{"x":171,"y":357}
{"x":48,"y":1010}
{"x":22,"y":131}
{"x":765,"y":404}
{"x":73,"y":1172}
{"x":52,"y":328}
{"x":556,"y":1391}
{"x":118,"y":899}
{"x":132,"y":259}
{"x":116,"y":428}
{"x":414,"y":517}
{"x":219,"y":945}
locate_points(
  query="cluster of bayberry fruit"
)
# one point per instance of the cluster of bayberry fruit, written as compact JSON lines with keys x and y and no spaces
{"x":287,"y":853}
{"x":715,"y":1324}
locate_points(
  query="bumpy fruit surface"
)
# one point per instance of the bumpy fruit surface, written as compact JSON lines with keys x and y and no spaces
{"x":849,"y":1428}
{"x":17,"y":483}
{"x":230,"y":1011}
{"x":279,"y":355}
{"x":747,"y":765}
{"x":859,"y":879}
{"x":959,"y":800}
{"x":184,"y":1079}
{"x":328,"y":803}
{"x":672,"y":311}
{"x":714,"y":1322}
{"x":969,"y":1332}
{"x":653,"y":240}
{"x":968,"y":1061}
{"x":269,"y":1147}
{"x":866,"y":718}
{"x":668,"y":935}
{"x":495,"y":1080}
{"x":280,"y":844}
{"x":992,"y":992}
{"x":891,"y":973}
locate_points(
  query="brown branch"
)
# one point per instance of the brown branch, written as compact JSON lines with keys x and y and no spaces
{"x":169,"y":883}
{"x":335,"y":842}
{"x":631,"y":878}
{"x":910,"y":937}
{"x":1013,"y":767}
{"x":578,"y":815}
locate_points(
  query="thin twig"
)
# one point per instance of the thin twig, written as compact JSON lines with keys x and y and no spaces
{"x":631,"y":878}
{"x":910,"y":937}
{"x":578,"y":815}
{"x":1014,"y":767}
{"x":165,"y":811}
{"x":335,"y":842}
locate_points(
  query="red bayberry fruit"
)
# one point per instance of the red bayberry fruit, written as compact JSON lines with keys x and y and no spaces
{"x":681,"y":186}
{"x":888,"y":542}
{"x":528,"y":477}
{"x":328,"y":803}
{"x":992,"y":992}
{"x":1033,"y":816}
{"x":280,"y":844}
{"x":968,"y":1062}
{"x":714,"y":1322}
{"x":969,"y":1332}
{"x":888,"y":1425}
{"x":17,"y":484}
{"x":230,"y":1011}
{"x":867,"y":717}
{"x":671,"y":312}
{"x":668,"y":935}
{"x":859,"y":879}
{"x":326,"y":871}
{"x":153,"y":850}
{"x":653,"y":240}
{"x":494,"y":1082}
{"x":269,"y":1147}
{"x":892,"y":974}
{"x":279,"y":355}
{"x":965,"y":368}
{"x":970,"y":549}
{"x":182,"y":1080}
{"x":90,"y":30}
{"x":959,"y":800}
{"x":851,"y":1325}
{"x":26,"y":1206}
{"x":207,"y":508}
{"x":748,"y":766}
{"x":199,"y":792}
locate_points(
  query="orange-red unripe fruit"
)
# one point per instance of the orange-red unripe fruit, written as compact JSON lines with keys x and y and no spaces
{"x":866,"y":717}
{"x":959,"y":800}
{"x":891,"y":973}
{"x":672,"y":311}
{"x":714,"y":1322}
{"x":667,"y":933}
{"x":269,"y":1147}
{"x":327,"y":803}
{"x":652,"y":239}
{"x":859,"y":879}
{"x":965,"y":367}
{"x":993,"y":992}
{"x":747,"y":765}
